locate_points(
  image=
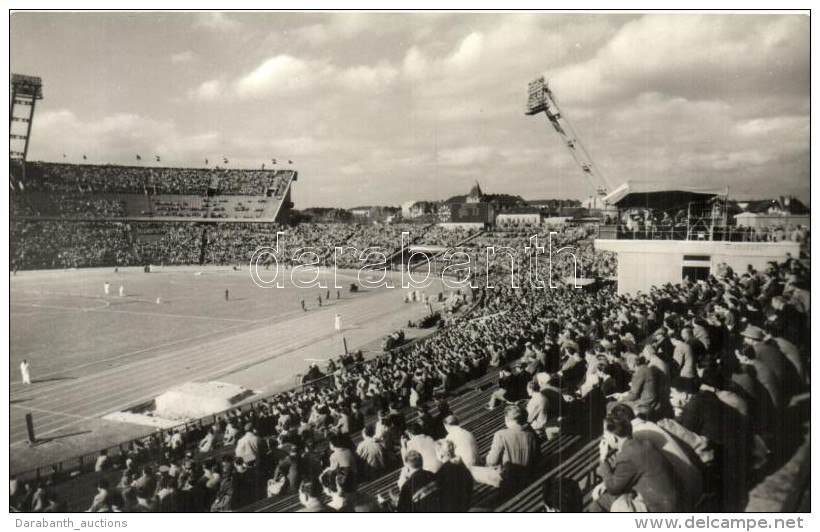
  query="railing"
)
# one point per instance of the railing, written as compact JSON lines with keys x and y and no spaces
{"x":714,"y":234}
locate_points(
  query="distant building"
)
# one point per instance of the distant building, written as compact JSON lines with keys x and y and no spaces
{"x":360,"y":212}
{"x":467,"y":211}
{"x":781,"y":206}
{"x":519,"y":217}
{"x":417,"y":209}
{"x":475,"y":195}
{"x":784,"y":211}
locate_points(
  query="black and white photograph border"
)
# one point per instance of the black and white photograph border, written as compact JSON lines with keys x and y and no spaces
{"x":440,"y":260}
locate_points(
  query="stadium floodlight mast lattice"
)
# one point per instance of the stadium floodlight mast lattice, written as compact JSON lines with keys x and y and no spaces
{"x":540,"y":99}
{"x":25,"y":91}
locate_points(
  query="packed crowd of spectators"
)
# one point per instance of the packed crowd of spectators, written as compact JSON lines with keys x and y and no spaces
{"x":59,"y":245}
{"x":572,"y":254}
{"x":688,"y":383}
{"x":70,"y":178}
{"x":166,"y":243}
{"x":87,"y":206}
{"x":52,"y":244}
{"x":648,"y":224}
{"x":235,"y":243}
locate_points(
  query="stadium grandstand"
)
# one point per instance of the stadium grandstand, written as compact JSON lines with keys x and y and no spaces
{"x":83,"y":191}
{"x":533,"y":385}
{"x":718,"y":370}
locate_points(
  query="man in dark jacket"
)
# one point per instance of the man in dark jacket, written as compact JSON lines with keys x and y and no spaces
{"x":727,"y":431}
{"x":420,"y":493}
{"x":633,"y":471}
{"x":515,"y":449}
{"x":454,"y":479}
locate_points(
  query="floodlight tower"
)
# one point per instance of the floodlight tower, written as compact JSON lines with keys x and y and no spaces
{"x":25,"y":91}
{"x":540,"y":99}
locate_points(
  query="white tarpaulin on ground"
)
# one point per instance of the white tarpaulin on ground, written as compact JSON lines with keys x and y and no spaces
{"x":198,"y":399}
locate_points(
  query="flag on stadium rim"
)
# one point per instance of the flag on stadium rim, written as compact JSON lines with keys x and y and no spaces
{"x":158,"y":159}
{"x":85,"y":158}
{"x":225,"y":160}
{"x":139,"y":158}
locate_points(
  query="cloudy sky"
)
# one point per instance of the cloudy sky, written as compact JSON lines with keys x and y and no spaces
{"x":384,"y":108}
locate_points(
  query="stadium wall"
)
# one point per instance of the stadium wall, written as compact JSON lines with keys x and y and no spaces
{"x":643,"y":264}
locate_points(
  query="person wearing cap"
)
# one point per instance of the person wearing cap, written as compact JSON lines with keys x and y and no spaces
{"x":762,"y":374}
{"x":769,"y":355}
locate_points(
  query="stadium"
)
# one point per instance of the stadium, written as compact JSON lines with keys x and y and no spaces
{"x":189,"y":338}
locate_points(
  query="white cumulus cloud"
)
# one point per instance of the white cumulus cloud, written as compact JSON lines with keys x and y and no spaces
{"x":206,"y":91}
{"x":281,"y":73}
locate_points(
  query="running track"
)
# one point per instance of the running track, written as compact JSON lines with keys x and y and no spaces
{"x":278,"y":350}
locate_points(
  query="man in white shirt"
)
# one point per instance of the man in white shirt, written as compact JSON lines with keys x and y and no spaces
{"x":422,"y":444}
{"x":463,"y":441}
{"x":249,"y":445}
{"x":25,"y":372}
{"x":537,"y":408}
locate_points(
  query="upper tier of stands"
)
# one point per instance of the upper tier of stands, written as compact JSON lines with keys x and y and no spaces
{"x":69,"y":191}
{"x":69,"y":178}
